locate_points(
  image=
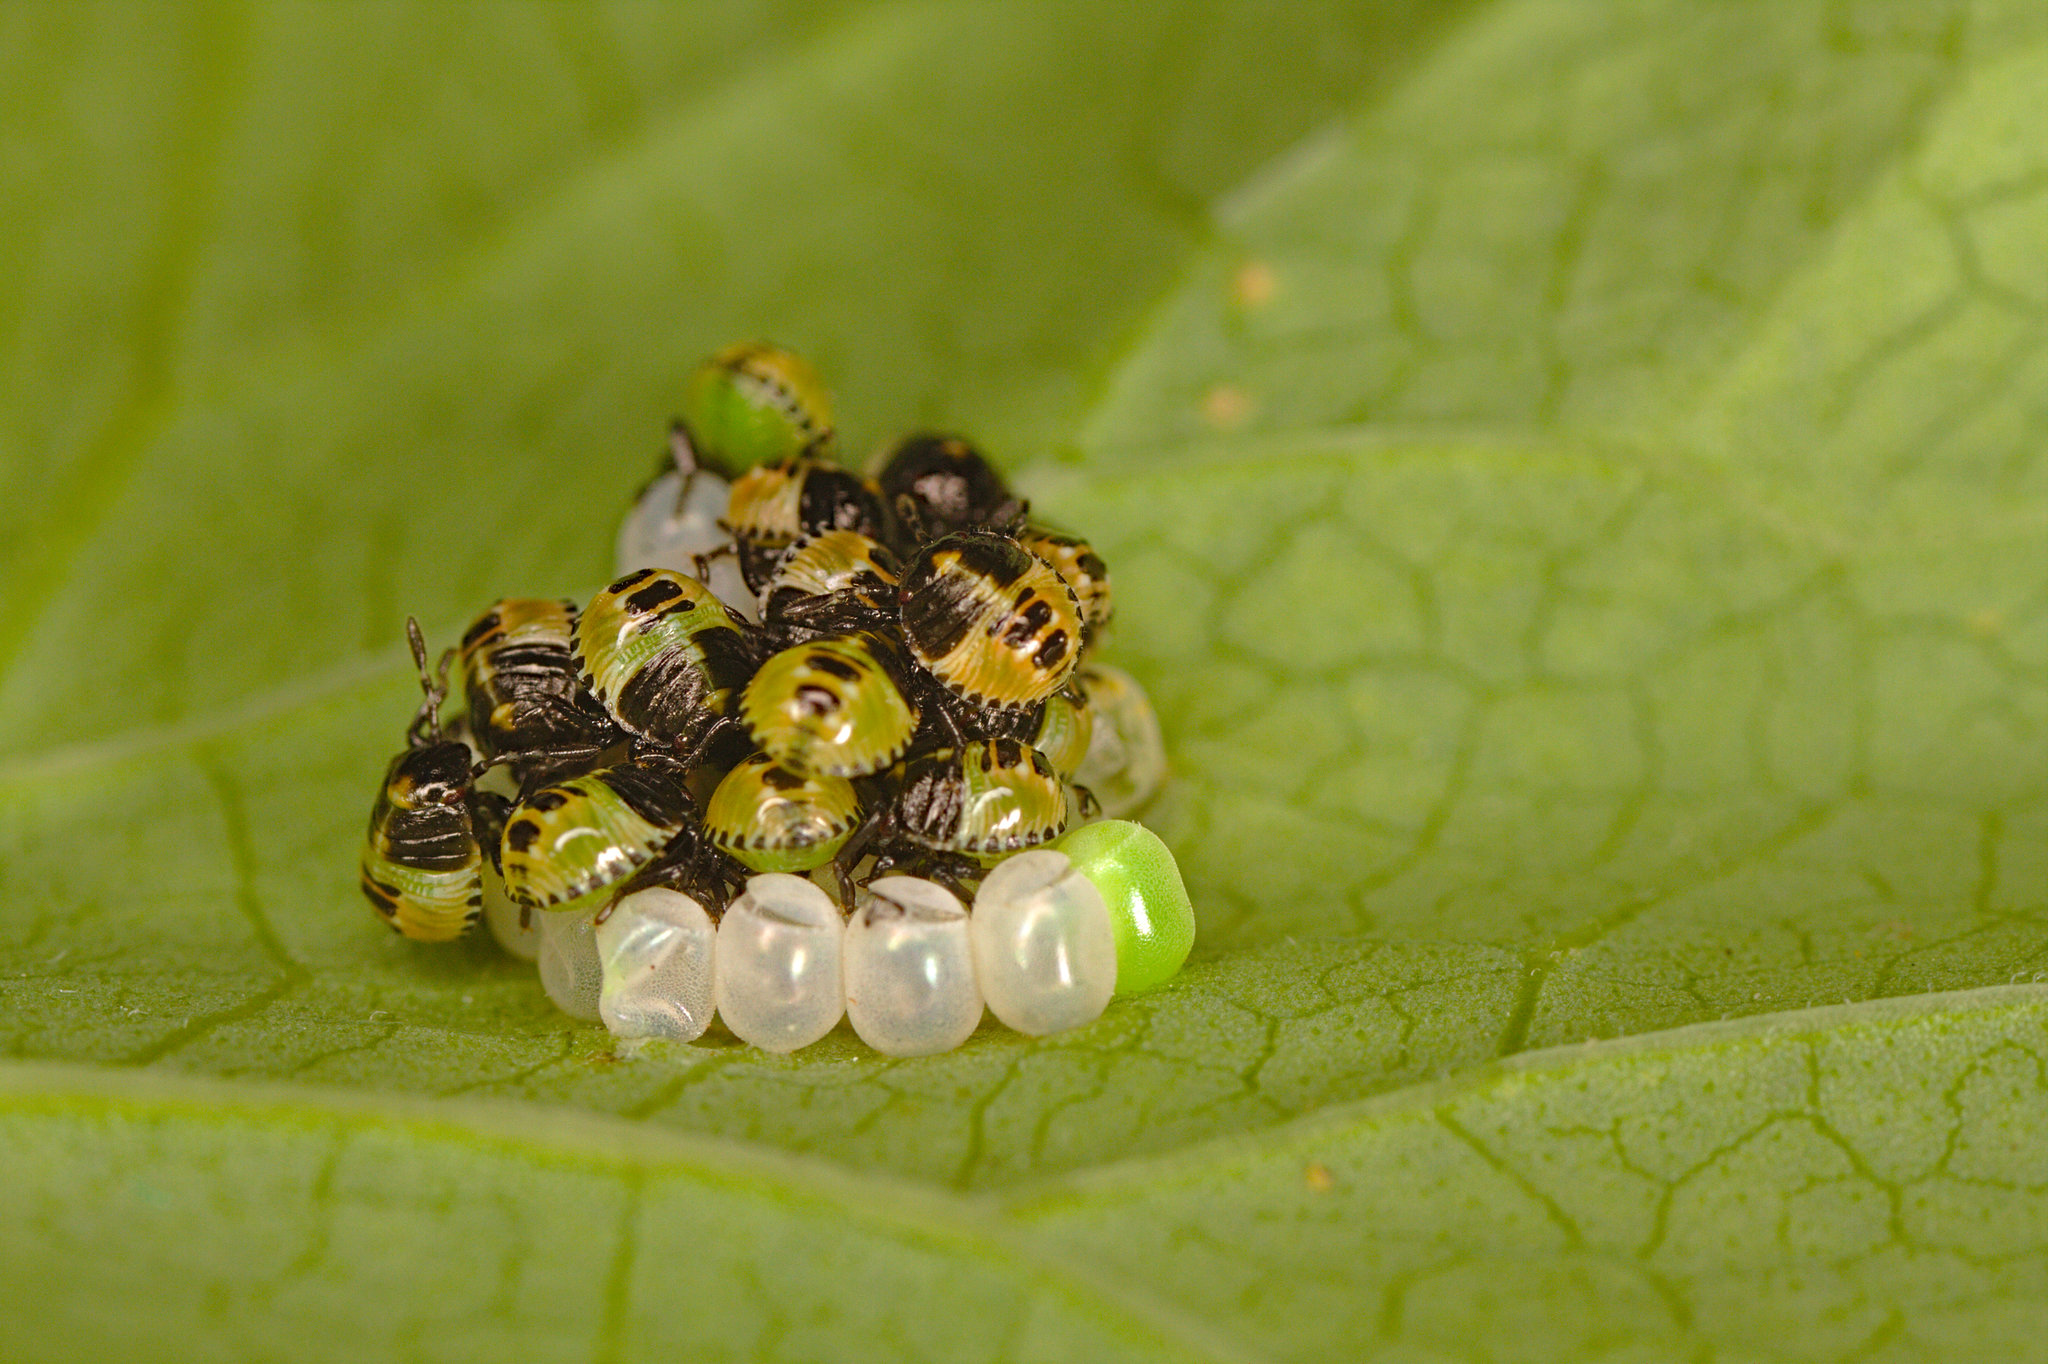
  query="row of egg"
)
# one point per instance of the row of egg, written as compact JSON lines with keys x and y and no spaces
{"x":1052,"y":934}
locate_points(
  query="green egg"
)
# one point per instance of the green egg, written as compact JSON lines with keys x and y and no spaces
{"x":1148,"y":906}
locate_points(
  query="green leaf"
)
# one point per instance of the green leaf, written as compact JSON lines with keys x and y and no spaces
{"x":1573,"y":479}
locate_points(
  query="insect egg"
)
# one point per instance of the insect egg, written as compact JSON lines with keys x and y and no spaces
{"x":1148,"y":905}
{"x":655,"y":955}
{"x":778,"y":959}
{"x":1044,"y":949}
{"x":674,"y":523}
{"x":570,"y":970}
{"x":1126,"y":761}
{"x":909,"y":964}
{"x":1065,"y":727}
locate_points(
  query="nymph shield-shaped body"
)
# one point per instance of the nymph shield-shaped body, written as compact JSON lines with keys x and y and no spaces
{"x":1076,"y":561}
{"x":567,"y":842}
{"x":836,"y":706}
{"x":774,"y":504}
{"x":986,"y":800}
{"x":768,"y":818}
{"x":935,"y":485}
{"x":993,"y":623}
{"x":662,"y":654}
{"x":831,"y":582}
{"x":752,"y":403}
{"x":422,"y":866}
{"x":525,"y":702}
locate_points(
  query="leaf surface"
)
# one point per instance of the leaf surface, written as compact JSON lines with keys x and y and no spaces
{"x":1574,"y":486}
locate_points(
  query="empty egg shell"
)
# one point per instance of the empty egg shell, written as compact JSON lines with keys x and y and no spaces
{"x":1044,"y":951}
{"x":676,"y":520}
{"x":656,"y":951}
{"x":909,"y":965}
{"x":779,"y":948}
{"x":569,"y":968}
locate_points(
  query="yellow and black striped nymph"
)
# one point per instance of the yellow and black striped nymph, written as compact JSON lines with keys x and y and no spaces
{"x":833,"y":707}
{"x":831,"y":582}
{"x":520,"y":680}
{"x":771,"y":506}
{"x":422,"y":867}
{"x":662,"y":655}
{"x":571,"y":841}
{"x":992,"y":622}
{"x":1076,"y":561}
{"x":752,"y":403}
{"x":986,"y":800}
{"x":768,"y":818}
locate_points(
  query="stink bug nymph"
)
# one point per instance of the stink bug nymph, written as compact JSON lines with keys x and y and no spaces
{"x":422,"y":862}
{"x":664,"y":656}
{"x":935,"y":485}
{"x":570,"y":842}
{"x":768,"y":818}
{"x":831,"y":582}
{"x":1077,"y":562}
{"x":837,"y":706}
{"x":527,"y":707}
{"x":994,"y":624}
{"x":774,"y":504}
{"x":959,"y":810}
{"x":752,"y":403}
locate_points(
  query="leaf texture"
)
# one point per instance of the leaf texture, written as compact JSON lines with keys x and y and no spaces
{"x":1574,"y":484}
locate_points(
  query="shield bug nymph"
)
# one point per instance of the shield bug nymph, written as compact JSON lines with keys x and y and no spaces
{"x":422,"y":860}
{"x":991,"y":622}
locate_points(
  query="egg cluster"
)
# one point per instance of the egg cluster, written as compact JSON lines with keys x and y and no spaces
{"x":767,"y":771}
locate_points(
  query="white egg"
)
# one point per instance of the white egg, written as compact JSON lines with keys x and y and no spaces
{"x":656,"y":954}
{"x":909,"y":964}
{"x":1044,"y":950}
{"x":502,"y":917}
{"x":779,"y":950}
{"x":676,"y":520}
{"x":1126,"y":761}
{"x":569,"y":968}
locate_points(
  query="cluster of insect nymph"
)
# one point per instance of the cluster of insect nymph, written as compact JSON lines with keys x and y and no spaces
{"x":832,"y":745}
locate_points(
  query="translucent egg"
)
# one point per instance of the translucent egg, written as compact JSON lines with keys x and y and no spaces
{"x":1126,"y":761}
{"x":655,"y":950}
{"x":779,"y":949}
{"x":674,"y":521}
{"x":502,"y":917}
{"x":1044,"y":951}
{"x":1149,"y":909}
{"x":569,"y":968}
{"x":910,"y":988}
